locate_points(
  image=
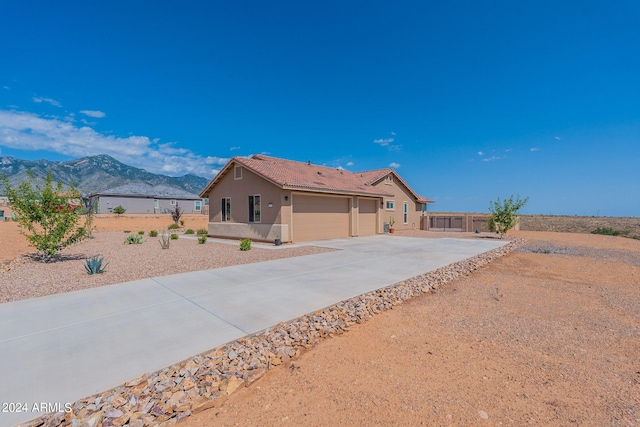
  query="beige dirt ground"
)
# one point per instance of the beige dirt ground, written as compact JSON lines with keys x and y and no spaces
{"x":13,"y":244}
{"x":542,"y":339}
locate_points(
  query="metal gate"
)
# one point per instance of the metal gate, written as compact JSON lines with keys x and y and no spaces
{"x":445,"y":223}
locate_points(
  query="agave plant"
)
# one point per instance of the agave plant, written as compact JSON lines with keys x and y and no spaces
{"x":134,"y":239}
{"x":95,"y":265}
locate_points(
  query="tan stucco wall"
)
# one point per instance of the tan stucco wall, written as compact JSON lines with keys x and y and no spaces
{"x":239,"y":191}
{"x":400,"y":195}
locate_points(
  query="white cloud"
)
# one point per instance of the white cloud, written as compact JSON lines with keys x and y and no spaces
{"x":234,"y":148}
{"x":27,"y":131}
{"x":47,"y":100}
{"x":383,"y":141}
{"x":349,"y":163}
{"x":394,"y":165}
{"x":397,"y":147}
{"x":480,"y":153}
{"x":491,"y":159}
{"x":534,"y":149}
{"x":93,"y":113}
{"x":6,"y":88}
{"x":393,"y":133}
{"x":557,"y":138}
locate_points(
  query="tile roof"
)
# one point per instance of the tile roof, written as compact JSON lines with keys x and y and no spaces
{"x":143,"y":189}
{"x":293,"y":175}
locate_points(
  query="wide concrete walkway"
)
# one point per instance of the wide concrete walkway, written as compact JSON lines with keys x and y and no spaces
{"x":61,"y":348}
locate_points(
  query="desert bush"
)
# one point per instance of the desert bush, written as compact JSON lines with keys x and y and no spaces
{"x":174,"y":236}
{"x":174,"y":227}
{"x":46,"y":215}
{"x":134,"y":239}
{"x":189,"y":231}
{"x":153,"y":233}
{"x":141,"y":233}
{"x":176,"y":214}
{"x":607,"y":231}
{"x":245,"y":245}
{"x":127,"y":231}
{"x":203,"y":231}
{"x":504,"y":214}
{"x":202,"y":239}
{"x":165,"y":239}
{"x":95,"y":265}
{"x":119,"y":210}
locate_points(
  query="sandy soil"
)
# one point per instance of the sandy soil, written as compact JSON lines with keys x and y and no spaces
{"x":548,"y":335}
{"x":13,"y":244}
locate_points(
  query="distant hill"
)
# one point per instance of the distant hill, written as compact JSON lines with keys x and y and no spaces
{"x":94,"y":173}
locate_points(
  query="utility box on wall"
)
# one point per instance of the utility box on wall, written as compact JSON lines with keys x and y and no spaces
{"x":386,"y":227}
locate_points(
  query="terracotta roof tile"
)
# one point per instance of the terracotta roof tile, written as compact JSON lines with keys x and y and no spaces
{"x":290,"y":174}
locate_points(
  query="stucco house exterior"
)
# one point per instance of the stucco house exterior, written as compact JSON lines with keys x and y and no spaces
{"x":266,"y":198}
{"x":142,"y":198}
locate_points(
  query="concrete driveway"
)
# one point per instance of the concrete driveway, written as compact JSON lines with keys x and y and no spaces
{"x":61,"y":348}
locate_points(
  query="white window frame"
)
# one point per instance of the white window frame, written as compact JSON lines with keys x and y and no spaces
{"x":224,"y":215}
{"x":197,"y":205}
{"x":405,"y":212}
{"x":156,"y":204}
{"x":172,"y":202}
{"x":393,"y":205}
{"x":237,"y":175}
{"x":254,"y":208}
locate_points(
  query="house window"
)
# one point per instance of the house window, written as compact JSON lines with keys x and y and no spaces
{"x":388,"y":179}
{"x":197,"y":206}
{"x":254,"y":208}
{"x":237,"y":172}
{"x":391,"y":205}
{"x":172,"y":203}
{"x":226,"y":209}
{"x":405,"y":213}
{"x":156,"y":204}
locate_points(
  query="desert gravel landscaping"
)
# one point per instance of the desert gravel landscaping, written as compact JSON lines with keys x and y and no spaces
{"x":546,"y":335}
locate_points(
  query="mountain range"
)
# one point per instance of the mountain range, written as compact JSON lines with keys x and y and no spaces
{"x":93,"y":174}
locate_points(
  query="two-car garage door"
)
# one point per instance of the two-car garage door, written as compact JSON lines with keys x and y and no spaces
{"x":320,"y":217}
{"x":323,"y":217}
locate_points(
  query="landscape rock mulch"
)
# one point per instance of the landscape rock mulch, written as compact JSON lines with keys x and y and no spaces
{"x":205,"y":381}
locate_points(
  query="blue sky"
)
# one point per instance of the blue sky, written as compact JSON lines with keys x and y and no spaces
{"x":468,"y":100}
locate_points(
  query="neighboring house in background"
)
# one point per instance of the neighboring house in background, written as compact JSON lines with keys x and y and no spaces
{"x":266,"y":198}
{"x":141,"y":198}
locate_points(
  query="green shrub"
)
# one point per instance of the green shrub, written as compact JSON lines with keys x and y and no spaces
{"x":94,"y":265}
{"x":127,"y":231}
{"x":202,"y":239}
{"x":153,"y":233}
{"x":119,"y":210}
{"x":134,"y":239}
{"x":245,"y":245}
{"x":174,"y":236}
{"x":607,"y":231}
{"x":174,"y":227}
{"x":189,"y":231}
{"x":141,"y":233}
{"x":203,"y":231}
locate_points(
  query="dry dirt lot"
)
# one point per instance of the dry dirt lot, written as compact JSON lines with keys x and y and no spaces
{"x":548,"y":335}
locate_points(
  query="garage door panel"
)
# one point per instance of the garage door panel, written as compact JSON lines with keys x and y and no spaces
{"x":367,"y":219}
{"x":320,"y":217}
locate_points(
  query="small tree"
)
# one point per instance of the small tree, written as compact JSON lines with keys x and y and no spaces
{"x":504,"y":214}
{"x":119,"y":210}
{"x":176,"y":213}
{"x":48,"y":218}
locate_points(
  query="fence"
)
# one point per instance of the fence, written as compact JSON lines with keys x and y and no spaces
{"x":459,"y":222}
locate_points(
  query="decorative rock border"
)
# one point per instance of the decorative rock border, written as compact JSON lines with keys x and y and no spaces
{"x":166,"y":396}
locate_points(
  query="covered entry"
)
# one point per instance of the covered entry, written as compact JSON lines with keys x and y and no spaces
{"x":320,"y":217}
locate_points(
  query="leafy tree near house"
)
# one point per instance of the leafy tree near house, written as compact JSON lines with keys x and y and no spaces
{"x":119,"y":210}
{"x":47,"y":216}
{"x":176,"y":213}
{"x":504,"y":214}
